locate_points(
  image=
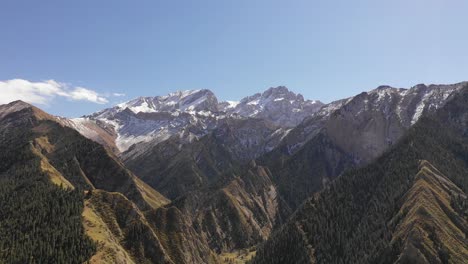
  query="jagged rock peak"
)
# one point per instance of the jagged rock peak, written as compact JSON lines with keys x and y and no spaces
{"x":277,"y":104}
{"x":282,"y":92}
{"x":146,"y":119}
{"x":190,"y":100}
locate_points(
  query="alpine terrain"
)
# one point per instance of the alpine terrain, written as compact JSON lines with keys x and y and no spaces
{"x":380,"y":177}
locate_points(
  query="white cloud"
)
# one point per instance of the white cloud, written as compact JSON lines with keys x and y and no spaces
{"x":44,"y":92}
{"x":118,"y":94}
{"x":80,"y":93}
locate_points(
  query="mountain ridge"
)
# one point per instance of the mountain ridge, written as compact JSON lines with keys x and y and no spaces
{"x":354,"y":219}
{"x":197,"y":111}
{"x":43,"y":155}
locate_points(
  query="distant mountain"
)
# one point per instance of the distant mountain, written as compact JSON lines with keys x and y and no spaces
{"x":407,"y":206}
{"x":348,"y":133}
{"x":189,"y":114}
{"x":383,"y":114}
{"x":145,"y":119}
{"x":278,"y":105}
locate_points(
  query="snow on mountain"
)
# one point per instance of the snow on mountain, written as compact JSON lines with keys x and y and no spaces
{"x":191,"y":114}
{"x":146,"y":119}
{"x":180,"y":101}
{"x":278,"y":105}
{"x":382,"y":114}
{"x":227,"y":105}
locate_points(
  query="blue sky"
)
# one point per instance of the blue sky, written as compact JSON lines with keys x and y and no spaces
{"x":324,"y":50}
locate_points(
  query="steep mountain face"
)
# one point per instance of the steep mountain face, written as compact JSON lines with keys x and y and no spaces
{"x":175,"y":170}
{"x":183,"y":101}
{"x":175,"y":166}
{"x":429,"y":230}
{"x":374,"y":120}
{"x":408,"y":206}
{"x":125,"y":234}
{"x":348,"y":133}
{"x":246,"y":139}
{"x":121,"y":230}
{"x":97,"y":131}
{"x":237,"y":214}
{"x":308,"y":170}
{"x":278,"y":105}
{"x":378,"y":119}
{"x":45,"y":166}
{"x":188,"y":114}
{"x":231,"y":206}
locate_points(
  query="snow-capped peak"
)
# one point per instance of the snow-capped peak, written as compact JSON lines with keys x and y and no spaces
{"x":226,"y":105}
{"x":180,"y":101}
{"x":276,"y":104}
{"x":155,"y":119}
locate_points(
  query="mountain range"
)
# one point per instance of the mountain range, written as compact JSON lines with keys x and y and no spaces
{"x":379,"y":177}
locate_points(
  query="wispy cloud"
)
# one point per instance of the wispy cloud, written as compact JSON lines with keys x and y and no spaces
{"x":44,"y":92}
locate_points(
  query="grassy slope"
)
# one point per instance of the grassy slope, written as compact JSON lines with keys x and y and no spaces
{"x":120,"y":230}
{"x":429,"y":228}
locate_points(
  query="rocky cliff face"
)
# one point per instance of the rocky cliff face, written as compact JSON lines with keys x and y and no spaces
{"x":175,"y":166}
{"x":349,"y":133}
{"x":145,"y":119}
{"x":277,"y":105}
{"x":189,"y":114}
{"x":378,"y":117}
{"x":236,"y":214}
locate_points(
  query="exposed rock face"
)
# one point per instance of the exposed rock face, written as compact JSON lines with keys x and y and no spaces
{"x":246,"y":139}
{"x":176,"y":166}
{"x":238,"y":214}
{"x":376,"y":120}
{"x":373,"y":120}
{"x":348,"y":133}
{"x":278,"y":105}
{"x":189,"y":114}
{"x":183,"y":101}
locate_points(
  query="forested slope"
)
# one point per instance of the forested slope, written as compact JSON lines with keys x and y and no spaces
{"x":359,"y":217}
